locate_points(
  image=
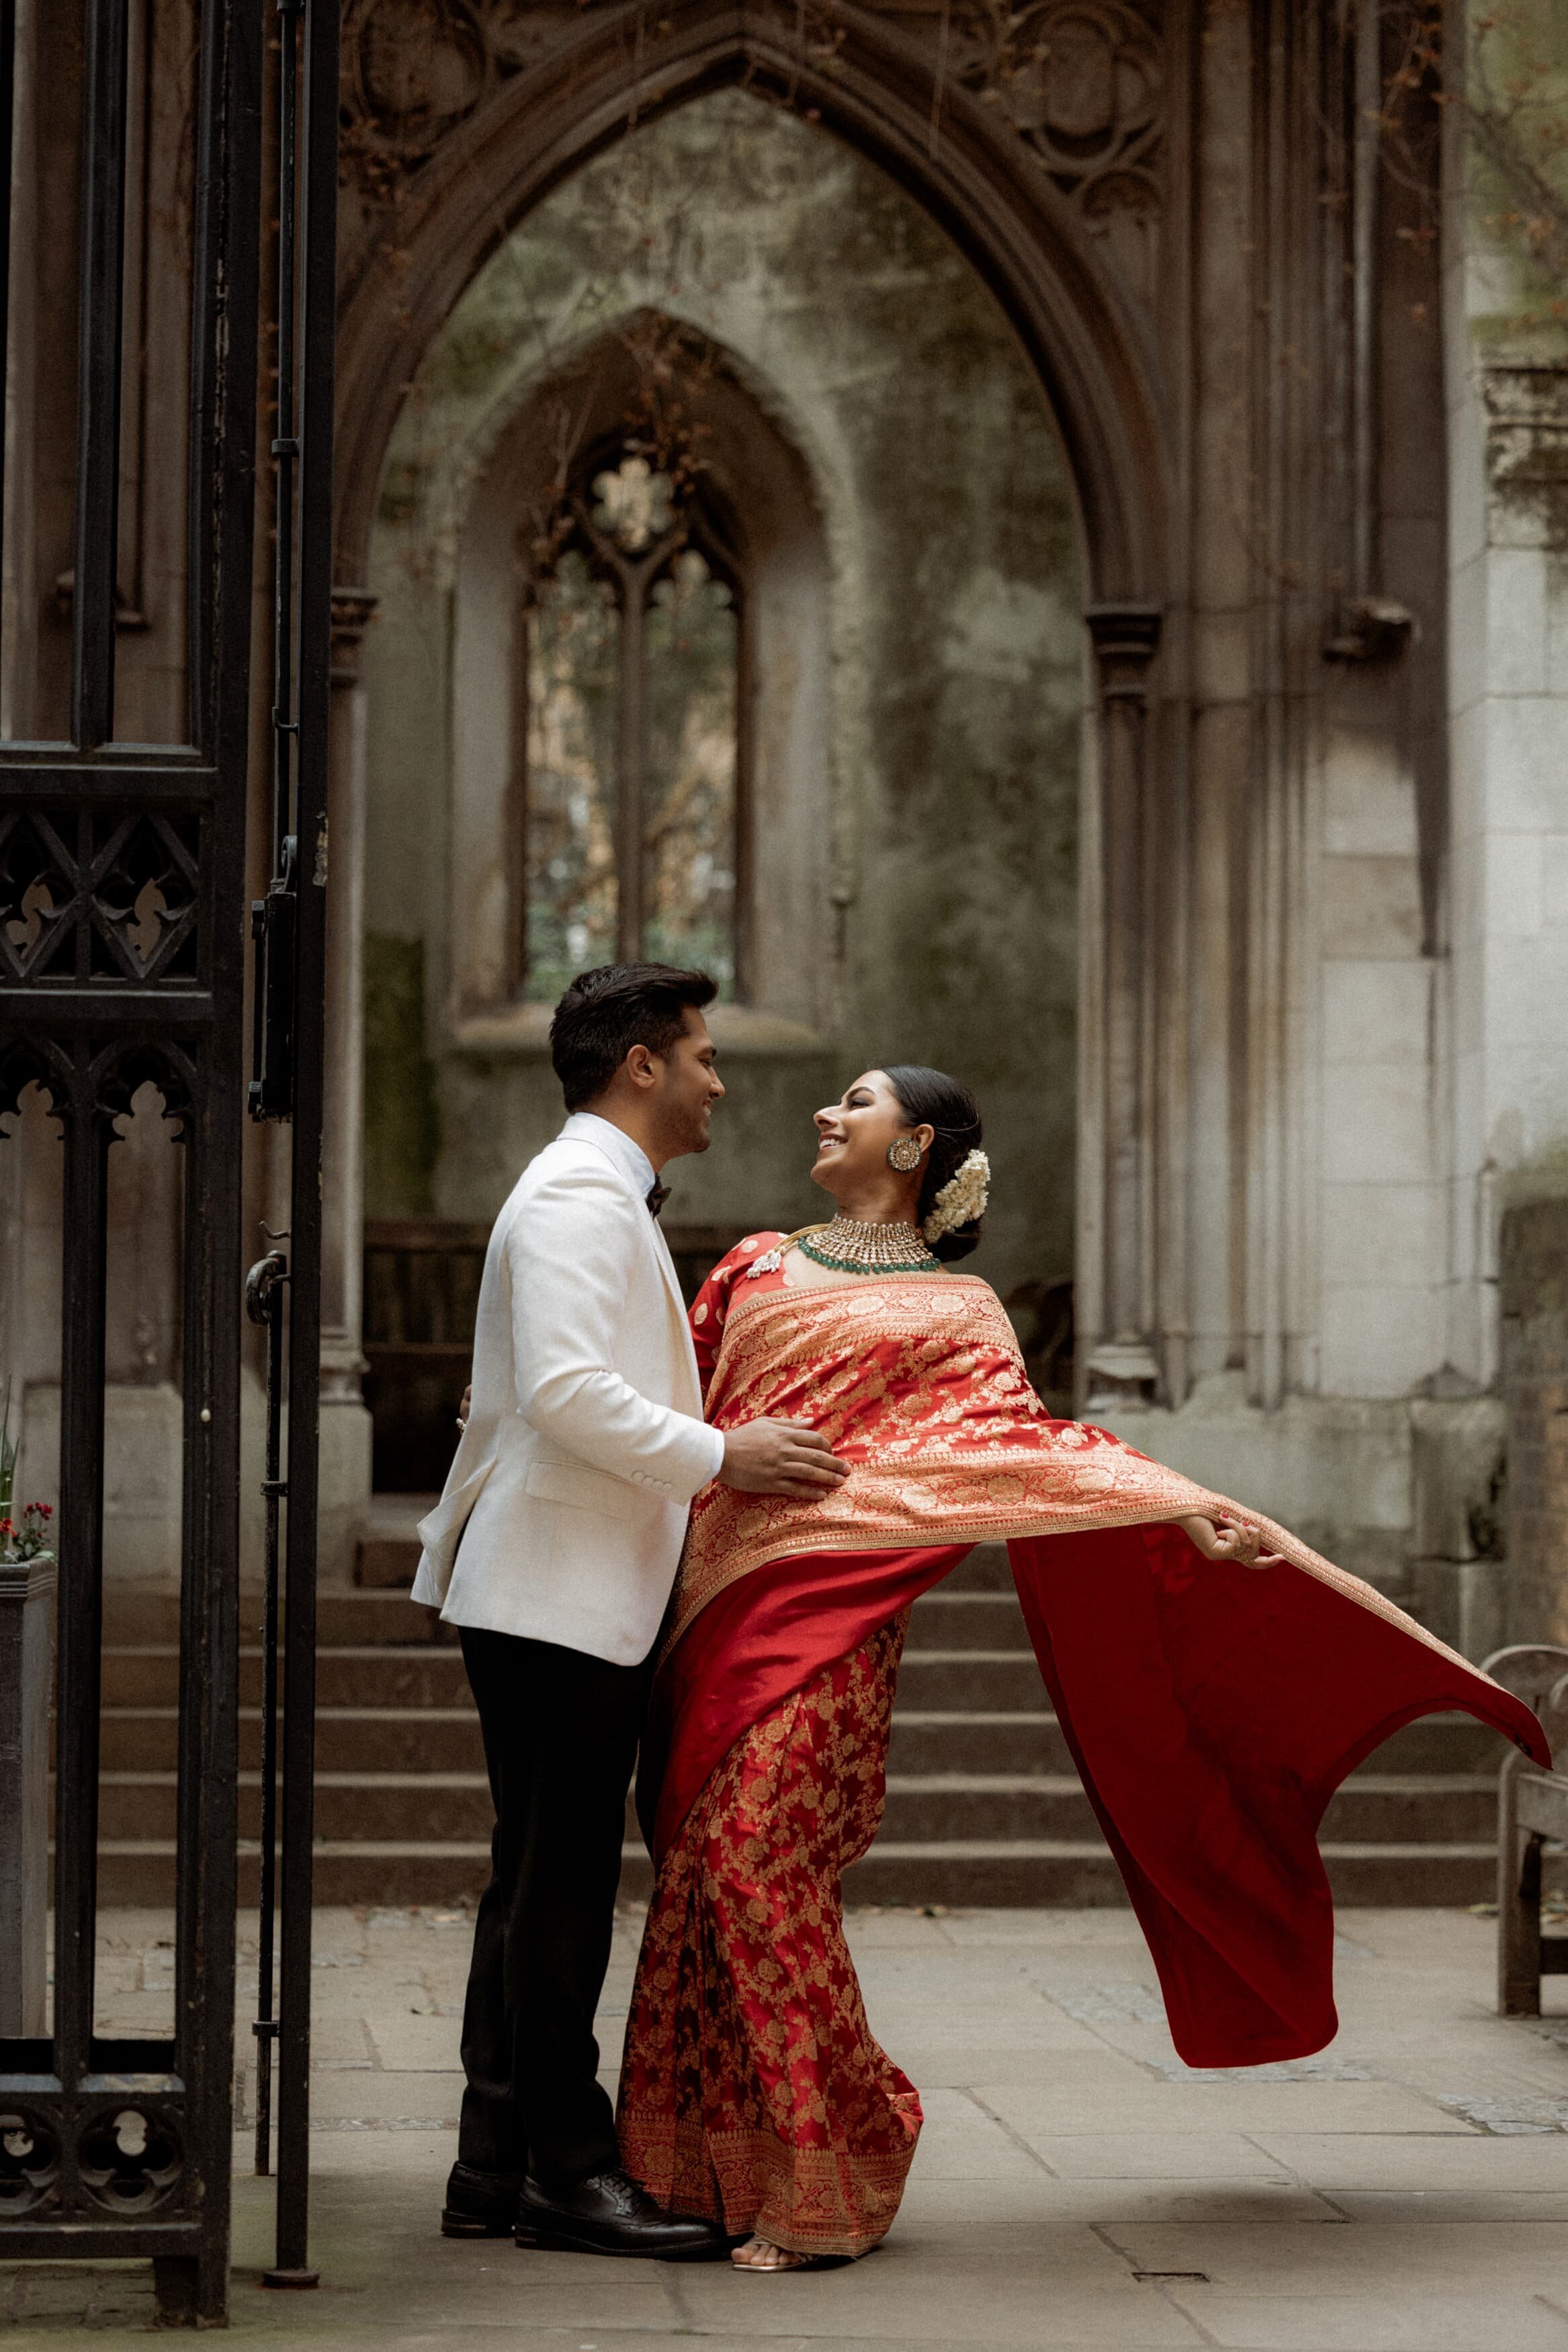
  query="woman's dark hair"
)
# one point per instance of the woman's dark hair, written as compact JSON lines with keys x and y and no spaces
{"x":608,"y":1011}
{"x":931,"y":1099}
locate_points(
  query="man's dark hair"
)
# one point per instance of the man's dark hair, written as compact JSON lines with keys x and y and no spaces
{"x":608,"y":1011}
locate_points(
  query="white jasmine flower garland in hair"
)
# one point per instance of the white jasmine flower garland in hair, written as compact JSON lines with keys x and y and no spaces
{"x":962,"y":1198}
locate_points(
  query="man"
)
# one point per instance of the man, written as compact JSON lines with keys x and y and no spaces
{"x":553,"y":1550}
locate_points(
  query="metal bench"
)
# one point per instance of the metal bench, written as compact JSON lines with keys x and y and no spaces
{"x":1532,"y":1808}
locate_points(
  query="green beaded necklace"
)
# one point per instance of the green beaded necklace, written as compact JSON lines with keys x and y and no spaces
{"x":850,"y":1246}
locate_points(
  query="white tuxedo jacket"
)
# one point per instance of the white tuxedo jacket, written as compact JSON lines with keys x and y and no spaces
{"x":570,"y":1487}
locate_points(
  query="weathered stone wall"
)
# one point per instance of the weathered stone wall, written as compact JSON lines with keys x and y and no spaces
{"x":1534,"y":1377}
{"x":946,"y":807}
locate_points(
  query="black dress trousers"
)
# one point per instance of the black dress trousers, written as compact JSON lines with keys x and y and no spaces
{"x":560,"y":1739}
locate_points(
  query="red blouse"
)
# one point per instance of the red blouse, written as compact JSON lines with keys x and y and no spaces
{"x":711,"y":1304}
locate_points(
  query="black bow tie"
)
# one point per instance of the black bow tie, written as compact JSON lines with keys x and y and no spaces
{"x":656,"y":1196}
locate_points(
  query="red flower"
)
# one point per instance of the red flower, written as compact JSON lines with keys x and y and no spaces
{"x":45,"y":1510}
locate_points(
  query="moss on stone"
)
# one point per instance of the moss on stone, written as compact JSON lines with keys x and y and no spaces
{"x":402,"y":1113}
{"x":952,"y":612}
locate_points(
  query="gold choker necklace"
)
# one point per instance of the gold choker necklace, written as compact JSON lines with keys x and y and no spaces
{"x":853,"y":1247}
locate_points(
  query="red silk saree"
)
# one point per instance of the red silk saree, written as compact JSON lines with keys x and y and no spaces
{"x":1212,"y":1710}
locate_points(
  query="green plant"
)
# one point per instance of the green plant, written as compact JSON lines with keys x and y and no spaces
{"x":31,"y":1541}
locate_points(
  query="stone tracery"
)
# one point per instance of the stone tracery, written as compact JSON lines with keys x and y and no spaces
{"x":1080,"y":84}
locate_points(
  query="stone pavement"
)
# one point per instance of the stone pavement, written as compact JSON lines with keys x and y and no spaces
{"x":1076,"y":2185}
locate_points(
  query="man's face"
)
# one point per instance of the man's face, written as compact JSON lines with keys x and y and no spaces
{"x":688,"y":1086}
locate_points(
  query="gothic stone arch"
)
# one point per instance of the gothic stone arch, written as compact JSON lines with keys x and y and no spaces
{"x":461,"y":118}
{"x":592,"y":73}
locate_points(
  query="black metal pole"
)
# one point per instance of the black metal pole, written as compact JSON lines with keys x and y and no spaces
{"x":285,"y":437}
{"x":96,"y":567}
{"x":263,"y":1304}
{"x":88,"y":1135}
{"x":7,"y":107}
{"x":318,"y":281}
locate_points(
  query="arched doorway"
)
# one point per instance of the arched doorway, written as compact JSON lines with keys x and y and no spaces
{"x":1037,"y":267}
{"x":729,"y":346}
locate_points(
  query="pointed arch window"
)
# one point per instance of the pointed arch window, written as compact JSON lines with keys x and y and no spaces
{"x":628,"y":829}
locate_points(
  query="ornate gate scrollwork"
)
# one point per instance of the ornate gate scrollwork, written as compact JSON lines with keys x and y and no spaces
{"x":129,"y":2159}
{"x":122,"y":964}
{"x":29,"y":2161}
{"x":120,"y":900}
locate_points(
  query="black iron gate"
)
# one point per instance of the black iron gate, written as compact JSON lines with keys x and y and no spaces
{"x":125,"y":713}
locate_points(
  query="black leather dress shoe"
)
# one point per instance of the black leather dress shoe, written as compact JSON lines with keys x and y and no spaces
{"x":480,"y":2204}
{"x":609,"y":2214}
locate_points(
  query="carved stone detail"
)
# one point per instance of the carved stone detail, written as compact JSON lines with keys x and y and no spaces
{"x":351,"y":612}
{"x":413,"y":70}
{"x":1527,"y":450}
{"x":1080,"y":82}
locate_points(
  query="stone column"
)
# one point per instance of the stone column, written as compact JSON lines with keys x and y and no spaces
{"x":1123,"y":1365}
{"x":1533,"y":1252}
{"x":345,"y":1422}
{"x":26,"y":1652}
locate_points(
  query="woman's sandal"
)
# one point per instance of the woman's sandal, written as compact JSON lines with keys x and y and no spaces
{"x":787,"y":2259}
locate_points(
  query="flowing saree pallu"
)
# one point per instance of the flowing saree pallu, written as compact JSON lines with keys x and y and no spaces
{"x":1212,"y":1709}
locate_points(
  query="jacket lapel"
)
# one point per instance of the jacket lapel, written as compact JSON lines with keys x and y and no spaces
{"x":660,"y":1247}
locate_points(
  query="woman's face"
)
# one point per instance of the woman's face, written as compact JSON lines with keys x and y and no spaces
{"x":852,"y":1139}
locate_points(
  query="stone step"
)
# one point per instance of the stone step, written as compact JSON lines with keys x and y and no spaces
{"x":985,"y":1569}
{"x":348,"y":1739}
{"x":969,"y":1681}
{"x":419,"y":1674}
{"x":387,"y":1554}
{"x":415,"y":1871}
{"x":945,"y":1620}
{"x":140,"y":1871}
{"x":353,"y":1808}
{"x":446,"y":1740}
{"x":953,"y":1873}
{"x":984,"y":1804}
{"x":346,"y":1619}
{"x":1417,"y":1875}
{"x":1440,"y":1743}
{"x":1413,"y":1808}
{"x":1372,"y":1809}
{"x":949,"y":1618}
{"x":431,"y":1674}
{"x":932,"y":1741}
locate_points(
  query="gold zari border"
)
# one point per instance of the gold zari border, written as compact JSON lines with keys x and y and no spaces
{"x":934,"y":1481}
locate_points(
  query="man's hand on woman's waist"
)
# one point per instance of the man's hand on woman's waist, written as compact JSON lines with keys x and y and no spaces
{"x":781,"y":1458}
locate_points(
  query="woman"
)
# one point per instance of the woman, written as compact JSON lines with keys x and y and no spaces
{"x":1211,"y":1709}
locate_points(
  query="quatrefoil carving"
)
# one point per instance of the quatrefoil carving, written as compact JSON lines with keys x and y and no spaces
{"x":129,"y":2159}
{"x":29,"y":2161}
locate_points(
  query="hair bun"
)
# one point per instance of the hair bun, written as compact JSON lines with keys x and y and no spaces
{"x":962,"y":1200}
{"x":950,"y":1247}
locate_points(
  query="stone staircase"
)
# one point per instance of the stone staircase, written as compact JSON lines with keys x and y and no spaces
{"x":982,"y":1803}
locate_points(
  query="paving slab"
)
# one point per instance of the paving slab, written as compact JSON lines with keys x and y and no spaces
{"x":1077,"y":2187}
{"x":1503,"y":2323}
{"x":1424,"y":2161}
{"x":1403,"y":2258}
